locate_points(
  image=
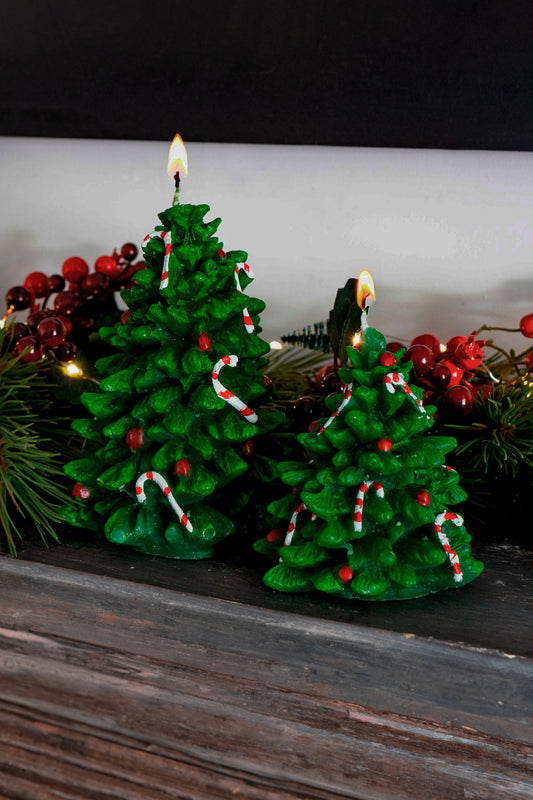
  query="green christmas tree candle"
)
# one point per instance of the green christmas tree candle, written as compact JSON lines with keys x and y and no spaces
{"x":369,"y":513}
{"x":182,"y":397}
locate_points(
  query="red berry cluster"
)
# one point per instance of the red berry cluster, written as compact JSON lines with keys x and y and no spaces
{"x":77,"y":294}
{"x":446,"y":374}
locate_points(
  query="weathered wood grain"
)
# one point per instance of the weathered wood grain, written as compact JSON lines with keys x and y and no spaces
{"x":119,"y":688}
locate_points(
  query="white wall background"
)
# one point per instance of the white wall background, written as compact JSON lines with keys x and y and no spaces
{"x":447,"y":235}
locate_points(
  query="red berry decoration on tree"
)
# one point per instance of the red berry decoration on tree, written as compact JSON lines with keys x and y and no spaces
{"x":51,"y":332}
{"x":80,"y":491}
{"x":248,"y":448}
{"x":422,"y":498}
{"x":267,"y":383}
{"x":387,"y":359}
{"x":95,"y":283}
{"x":529,"y":361}
{"x":422,"y":357}
{"x":273,"y":535}
{"x":75,"y":269}
{"x":37,"y":283}
{"x":134,"y":438}
{"x":182,"y":467}
{"x":526,"y":326}
{"x":204,"y":343}
{"x":345,"y":573}
{"x":384,"y":445}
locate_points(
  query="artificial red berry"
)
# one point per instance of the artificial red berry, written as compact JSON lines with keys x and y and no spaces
{"x":67,"y":322}
{"x":83,"y":322}
{"x":37,"y":283}
{"x":134,"y":438}
{"x":20,"y":330}
{"x":459,"y":399}
{"x":387,"y":359}
{"x":182,"y":467}
{"x":422,"y":357}
{"x":108,"y":266}
{"x":454,"y":342}
{"x":129,"y":251}
{"x":65,"y":303}
{"x":429,"y":340}
{"x":313,"y":425}
{"x":469,"y":354}
{"x":34,"y":348}
{"x":273,"y":535}
{"x":529,"y":360}
{"x":75,"y":269}
{"x":125,"y":316}
{"x":446,"y":373}
{"x":345,"y":573}
{"x":56,"y":283}
{"x":51,"y":332}
{"x":18,"y":298}
{"x":248,"y":448}
{"x":33,"y":319}
{"x":95,"y":283}
{"x":384,"y":445}
{"x":526,"y":326}
{"x":66,"y":352}
{"x":80,"y":491}
{"x":393,"y":347}
{"x":204,"y":343}
{"x":423,"y":498}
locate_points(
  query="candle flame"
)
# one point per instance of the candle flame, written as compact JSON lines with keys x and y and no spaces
{"x":365,"y":291}
{"x":177,"y":157}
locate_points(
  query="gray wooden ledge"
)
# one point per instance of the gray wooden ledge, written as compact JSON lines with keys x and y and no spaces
{"x":126,"y":676}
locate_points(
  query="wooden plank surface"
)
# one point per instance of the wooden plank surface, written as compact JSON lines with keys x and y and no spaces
{"x":127,"y":676}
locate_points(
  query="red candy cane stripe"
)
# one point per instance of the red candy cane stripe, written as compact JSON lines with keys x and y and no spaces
{"x":392,"y":380}
{"x":346,"y":400}
{"x":163,"y":485}
{"x":226,"y":394}
{"x":440,"y":519}
{"x":248,"y":324}
{"x":292,"y":525}
{"x":167,"y":238}
{"x":360,"y":499}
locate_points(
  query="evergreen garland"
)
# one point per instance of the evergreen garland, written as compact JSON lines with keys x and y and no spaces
{"x":32,"y":437}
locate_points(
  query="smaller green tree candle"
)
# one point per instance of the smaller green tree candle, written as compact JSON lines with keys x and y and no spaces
{"x":370,"y":514}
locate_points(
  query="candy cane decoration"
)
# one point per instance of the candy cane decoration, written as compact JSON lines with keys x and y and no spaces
{"x":248,"y":324}
{"x":440,"y":519}
{"x":292,"y":525}
{"x":163,"y":485}
{"x":360,"y":499}
{"x":346,"y":400}
{"x":167,"y":238}
{"x":392,"y":380}
{"x":226,"y":394}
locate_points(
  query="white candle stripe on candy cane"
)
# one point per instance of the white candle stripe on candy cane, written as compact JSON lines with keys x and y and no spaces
{"x":248,"y":324}
{"x":392,"y":380}
{"x":440,"y":519}
{"x":346,"y":400}
{"x":226,"y":394}
{"x":167,"y":238}
{"x":360,"y":499}
{"x":165,"y":488}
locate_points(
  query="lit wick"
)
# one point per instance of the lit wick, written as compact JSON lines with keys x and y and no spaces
{"x":177,"y":162}
{"x":365,"y":295}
